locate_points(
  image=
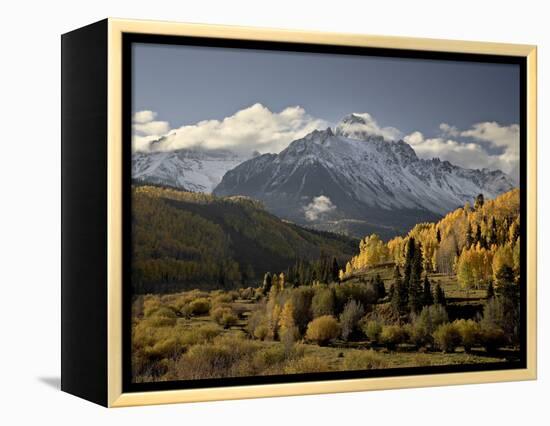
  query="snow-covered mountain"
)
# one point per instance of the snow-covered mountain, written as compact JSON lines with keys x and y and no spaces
{"x":330,"y":180}
{"x":190,"y":169}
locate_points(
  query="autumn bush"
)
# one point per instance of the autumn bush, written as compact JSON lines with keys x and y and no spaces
{"x":224,"y":316}
{"x":364,"y":360}
{"x":257,"y":325}
{"x":223,"y":299}
{"x":372,"y":329}
{"x":491,"y":338}
{"x":306,"y":364}
{"x":469,"y":331}
{"x":349,"y":318}
{"x":361,"y":293}
{"x":225,"y":356}
{"x":201,"y":334}
{"x":200,"y":306}
{"x":447,"y":337}
{"x":261,"y":332}
{"x":323,"y":329}
{"x":425,"y":323}
{"x":392,"y":335}
{"x":322,"y":302}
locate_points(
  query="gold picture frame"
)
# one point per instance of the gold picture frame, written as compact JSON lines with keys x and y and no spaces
{"x":116,"y":28}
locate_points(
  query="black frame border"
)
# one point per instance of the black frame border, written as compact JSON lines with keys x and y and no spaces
{"x":130,"y":38}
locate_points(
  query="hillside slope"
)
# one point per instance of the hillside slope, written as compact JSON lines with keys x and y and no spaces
{"x":188,"y":240}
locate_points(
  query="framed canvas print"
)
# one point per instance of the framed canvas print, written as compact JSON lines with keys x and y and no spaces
{"x":251,"y":212}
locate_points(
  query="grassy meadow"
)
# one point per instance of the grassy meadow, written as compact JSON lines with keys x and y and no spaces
{"x":199,"y":334}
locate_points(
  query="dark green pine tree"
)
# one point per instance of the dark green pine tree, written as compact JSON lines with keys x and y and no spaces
{"x":409,"y":258}
{"x":335,"y":270}
{"x":478,"y":238}
{"x":438,"y":236}
{"x":439,"y":296}
{"x":479,"y":201}
{"x":504,"y":276}
{"x":490,"y":290}
{"x":509,"y":297}
{"x":427,"y":296}
{"x":379,"y":286}
{"x":469,"y":237}
{"x":415,"y":281}
{"x":399,"y":298}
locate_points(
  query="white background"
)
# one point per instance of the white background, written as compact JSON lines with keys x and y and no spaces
{"x":30,"y":211}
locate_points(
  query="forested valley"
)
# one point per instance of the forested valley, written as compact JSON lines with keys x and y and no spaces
{"x":224,"y":289}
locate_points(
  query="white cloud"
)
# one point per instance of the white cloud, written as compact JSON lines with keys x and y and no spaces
{"x":144,"y":116}
{"x":415,"y":138}
{"x":318,"y":207}
{"x":146,"y":129}
{"x":255,"y":128}
{"x":152,"y":128}
{"x":499,"y":136}
{"x":471,"y":153}
{"x":367,"y":125}
{"x":449,"y":130}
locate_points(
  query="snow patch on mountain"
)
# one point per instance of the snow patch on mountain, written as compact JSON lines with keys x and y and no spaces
{"x":360,"y":171}
{"x":189,"y":169}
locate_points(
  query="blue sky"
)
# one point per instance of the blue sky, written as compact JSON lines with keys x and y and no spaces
{"x":433,"y":103}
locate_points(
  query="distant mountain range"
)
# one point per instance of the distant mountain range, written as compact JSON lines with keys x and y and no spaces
{"x":194,"y":170}
{"x":346,"y":180}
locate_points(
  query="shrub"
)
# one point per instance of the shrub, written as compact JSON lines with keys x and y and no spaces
{"x":160,"y":321}
{"x":228,"y":319}
{"x":323,"y":329}
{"x":200,"y":306}
{"x":261,"y":332}
{"x":361,"y":293}
{"x":307,"y":364}
{"x":352,"y":313}
{"x":247,"y":293}
{"x":221,"y":300}
{"x":224,"y":316}
{"x":426,"y":323}
{"x":301,"y":298}
{"x":219,"y":313}
{"x":164,"y":348}
{"x":392,"y":335}
{"x":205,"y":361}
{"x":492,"y":338}
{"x":364,"y":360}
{"x":256,"y":320}
{"x":197,"y":335}
{"x":384,"y":313}
{"x":447,"y":337}
{"x":322,"y":302}
{"x":225,"y":356}
{"x":150,"y":304}
{"x":372,"y":330}
{"x":469,"y":331}
{"x":269,"y":357}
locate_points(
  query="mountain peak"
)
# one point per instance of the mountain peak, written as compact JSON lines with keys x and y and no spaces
{"x":357,"y":126}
